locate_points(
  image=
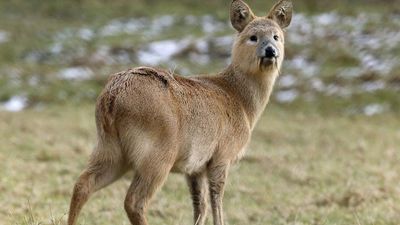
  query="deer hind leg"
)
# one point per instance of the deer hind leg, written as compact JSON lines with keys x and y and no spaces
{"x":103,"y":169}
{"x":198,"y":189}
{"x":217,"y":173}
{"x":147,"y":180}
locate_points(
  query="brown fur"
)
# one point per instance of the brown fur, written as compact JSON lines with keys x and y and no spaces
{"x":153,"y":122}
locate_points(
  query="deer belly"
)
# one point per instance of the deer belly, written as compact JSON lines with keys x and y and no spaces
{"x":194,"y":156}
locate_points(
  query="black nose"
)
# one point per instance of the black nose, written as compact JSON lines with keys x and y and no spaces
{"x":270,"y":52}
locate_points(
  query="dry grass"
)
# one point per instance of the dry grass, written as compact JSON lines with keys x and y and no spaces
{"x":300,"y":169}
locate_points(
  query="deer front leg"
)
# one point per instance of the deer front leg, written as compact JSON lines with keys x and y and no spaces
{"x":198,"y":189}
{"x":217,"y":173}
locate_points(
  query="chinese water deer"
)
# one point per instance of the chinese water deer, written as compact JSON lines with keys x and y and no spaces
{"x":154,"y":122}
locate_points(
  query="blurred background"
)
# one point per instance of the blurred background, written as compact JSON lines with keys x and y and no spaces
{"x":341,"y":53}
{"x":329,"y":140}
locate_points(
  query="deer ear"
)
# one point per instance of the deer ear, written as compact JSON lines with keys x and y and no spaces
{"x":282,"y":13}
{"x":241,"y":15}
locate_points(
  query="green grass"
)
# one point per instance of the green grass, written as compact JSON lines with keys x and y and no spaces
{"x":301,"y":168}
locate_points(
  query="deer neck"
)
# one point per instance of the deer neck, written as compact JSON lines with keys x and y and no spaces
{"x":251,"y":90}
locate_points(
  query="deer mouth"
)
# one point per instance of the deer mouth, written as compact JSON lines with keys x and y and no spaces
{"x":265,"y":62}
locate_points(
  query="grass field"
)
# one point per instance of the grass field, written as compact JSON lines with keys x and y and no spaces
{"x":300,"y":168}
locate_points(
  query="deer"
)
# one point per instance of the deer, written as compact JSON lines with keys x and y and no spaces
{"x":154,"y":122}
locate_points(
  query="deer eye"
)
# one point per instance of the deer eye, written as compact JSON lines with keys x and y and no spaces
{"x":253,"y":38}
{"x":276,"y":37}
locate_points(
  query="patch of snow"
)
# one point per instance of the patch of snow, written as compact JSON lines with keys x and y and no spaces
{"x":373,"y":109}
{"x":63,"y":35}
{"x":390,"y":38}
{"x":366,"y":59}
{"x":298,"y":38}
{"x":352,"y":72}
{"x":368,"y":41}
{"x":201,"y":59}
{"x":301,"y":63}
{"x":86,"y":34}
{"x":15,"y":104}
{"x":158,"y":25}
{"x":287,"y":81}
{"x":286,"y":96}
{"x":118,"y":26}
{"x":134,"y":25}
{"x":56,"y":48}
{"x":370,"y":62}
{"x":356,"y":24}
{"x":334,"y":89}
{"x":4,"y":36}
{"x":373,"y":86}
{"x":161,"y":51}
{"x":318,"y":85}
{"x":163,"y":22}
{"x":325,"y":19}
{"x":202,"y":46}
{"x":75,"y":73}
{"x":114,"y":27}
{"x":301,"y":23}
{"x":224,"y":41}
{"x":149,"y":58}
{"x":210,"y":24}
{"x":300,"y":30}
